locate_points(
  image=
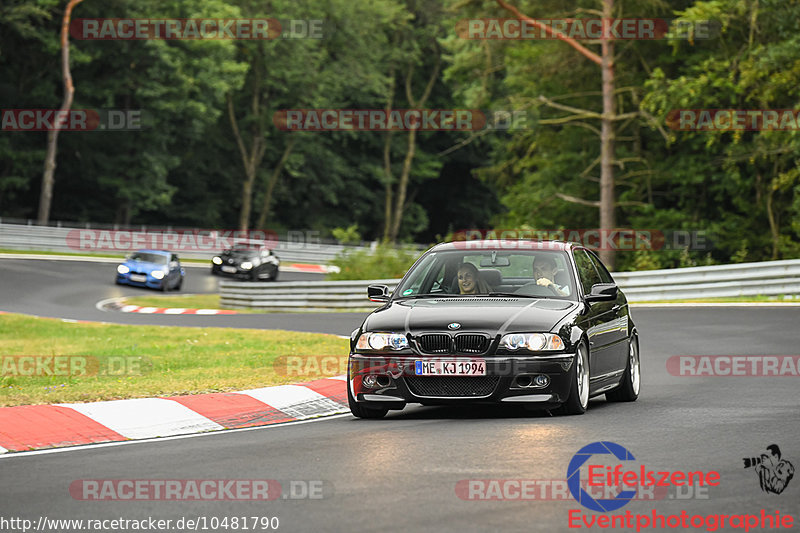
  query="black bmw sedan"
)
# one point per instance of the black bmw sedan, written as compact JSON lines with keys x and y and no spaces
{"x":540,"y":323}
{"x":247,"y":262}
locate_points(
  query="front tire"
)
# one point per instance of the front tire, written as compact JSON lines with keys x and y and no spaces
{"x":628,"y":390}
{"x":361,"y":411}
{"x":578,"y":400}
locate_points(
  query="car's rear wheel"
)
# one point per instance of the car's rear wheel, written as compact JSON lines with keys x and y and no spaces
{"x":628,"y":390}
{"x":578,"y":399}
{"x":362,"y":411}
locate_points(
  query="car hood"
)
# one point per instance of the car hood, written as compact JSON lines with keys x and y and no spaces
{"x":239,"y":256}
{"x":485,"y":314}
{"x":143,"y":266}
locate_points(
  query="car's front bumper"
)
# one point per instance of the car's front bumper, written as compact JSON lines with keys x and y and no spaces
{"x":149,"y":282}
{"x":238,"y":273}
{"x":398,"y":383}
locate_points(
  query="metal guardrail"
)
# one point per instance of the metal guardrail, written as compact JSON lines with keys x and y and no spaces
{"x":301,"y":295}
{"x":745,"y":279}
{"x":768,"y":278}
{"x":61,"y":238}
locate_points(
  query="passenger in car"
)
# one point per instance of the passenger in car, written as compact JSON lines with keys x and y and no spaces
{"x":469,"y":282}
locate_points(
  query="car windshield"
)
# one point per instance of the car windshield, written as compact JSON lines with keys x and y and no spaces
{"x":523,"y":273}
{"x":148,"y":258}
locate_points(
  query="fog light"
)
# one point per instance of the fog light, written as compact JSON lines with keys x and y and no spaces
{"x":541,"y":381}
{"x":369,"y":381}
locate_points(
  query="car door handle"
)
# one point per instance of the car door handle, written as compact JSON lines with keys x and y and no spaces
{"x":616,"y":308}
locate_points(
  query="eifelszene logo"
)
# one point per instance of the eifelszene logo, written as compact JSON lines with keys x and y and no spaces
{"x":603,"y":475}
{"x":774,"y":473}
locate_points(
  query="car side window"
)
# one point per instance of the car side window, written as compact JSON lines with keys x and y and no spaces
{"x":605,"y":275}
{"x":586,"y":271}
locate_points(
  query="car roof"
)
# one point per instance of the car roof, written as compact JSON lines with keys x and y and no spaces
{"x":505,"y":245}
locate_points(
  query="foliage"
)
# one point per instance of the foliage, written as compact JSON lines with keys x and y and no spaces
{"x":384,"y":262}
{"x":742,"y":187}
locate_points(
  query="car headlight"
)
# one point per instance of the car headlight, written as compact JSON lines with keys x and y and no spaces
{"x":216,"y":260}
{"x":381,"y":341}
{"x":158,"y":274}
{"x":122,"y":269}
{"x":534,"y":342}
{"x":247,"y":265}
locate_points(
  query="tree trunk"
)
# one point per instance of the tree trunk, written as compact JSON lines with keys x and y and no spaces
{"x":402,"y":187}
{"x":252,"y":160}
{"x":273,"y":179}
{"x":387,"y":175}
{"x":607,"y":139}
{"x":387,"y":162}
{"x":48,"y":177}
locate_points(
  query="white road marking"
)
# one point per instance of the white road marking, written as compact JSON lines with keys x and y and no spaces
{"x":143,"y":418}
{"x":162,"y":439}
{"x":294,"y":400}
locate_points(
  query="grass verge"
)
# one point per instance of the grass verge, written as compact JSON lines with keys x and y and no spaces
{"x":145,"y":361}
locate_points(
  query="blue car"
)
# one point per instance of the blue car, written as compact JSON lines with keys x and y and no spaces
{"x":157,"y":269}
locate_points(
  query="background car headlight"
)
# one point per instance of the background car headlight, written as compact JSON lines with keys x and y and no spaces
{"x":247,"y":265}
{"x":122,"y":269}
{"x":534,"y":342}
{"x":158,"y":274}
{"x":381,"y":341}
{"x":216,"y":260}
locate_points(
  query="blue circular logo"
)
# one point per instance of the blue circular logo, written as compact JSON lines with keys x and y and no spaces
{"x":454,"y":325}
{"x":574,"y":476}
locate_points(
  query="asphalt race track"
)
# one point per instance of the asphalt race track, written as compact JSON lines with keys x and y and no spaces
{"x":71,"y":289}
{"x":401,"y":473}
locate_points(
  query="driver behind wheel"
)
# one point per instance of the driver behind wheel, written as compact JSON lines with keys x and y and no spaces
{"x":544,"y":272}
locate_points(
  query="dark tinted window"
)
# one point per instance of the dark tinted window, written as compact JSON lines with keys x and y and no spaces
{"x":605,"y":275}
{"x":586,"y":271}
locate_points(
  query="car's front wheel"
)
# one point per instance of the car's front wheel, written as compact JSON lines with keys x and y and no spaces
{"x":628,"y":390}
{"x":362,"y":411}
{"x":578,"y":399}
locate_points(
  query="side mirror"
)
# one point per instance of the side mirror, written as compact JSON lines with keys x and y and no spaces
{"x":173,"y":265}
{"x":602,"y":292}
{"x":378,"y":293}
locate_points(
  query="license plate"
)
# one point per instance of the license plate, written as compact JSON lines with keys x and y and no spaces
{"x":472,"y":367}
{"x":229,"y":269}
{"x":138,"y":277}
